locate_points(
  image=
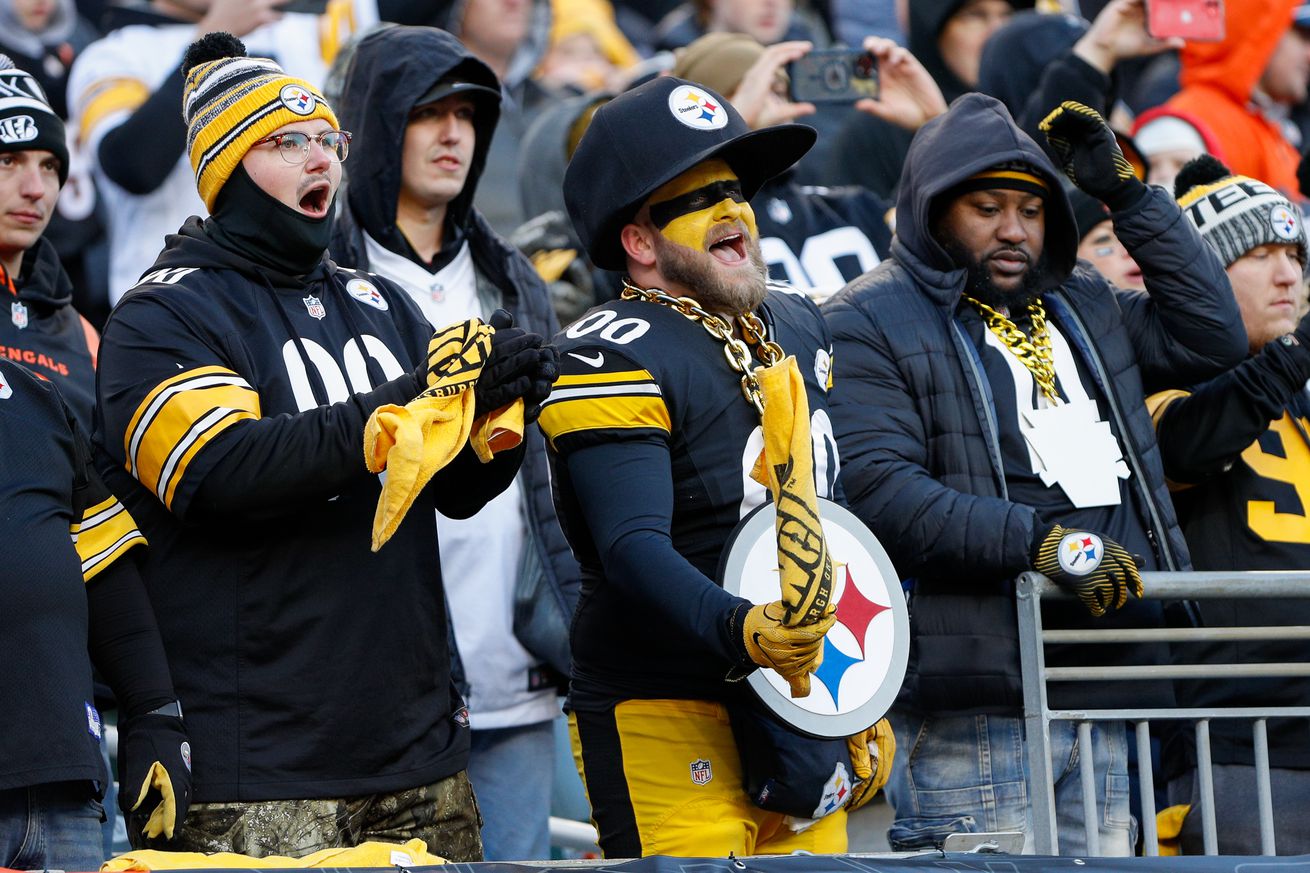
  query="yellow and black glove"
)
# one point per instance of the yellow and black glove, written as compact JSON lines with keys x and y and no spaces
{"x":872,"y":752}
{"x":1090,"y":155}
{"x":795,"y":652}
{"x":154,"y":766}
{"x":1096,"y":568}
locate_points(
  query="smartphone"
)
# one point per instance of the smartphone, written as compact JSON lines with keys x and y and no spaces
{"x":1196,"y":20}
{"x":834,"y":76}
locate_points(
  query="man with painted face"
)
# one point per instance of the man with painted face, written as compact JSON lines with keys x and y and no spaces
{"x":990,"y":411}
{"x":654,"y":436}
{"x":247,"y":387}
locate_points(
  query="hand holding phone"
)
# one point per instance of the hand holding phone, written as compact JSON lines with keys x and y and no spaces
{"x":1194,"y":20}
{"x":834,"y":76}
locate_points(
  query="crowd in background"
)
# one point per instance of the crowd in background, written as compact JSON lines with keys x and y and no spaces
{"x":540,"y":71}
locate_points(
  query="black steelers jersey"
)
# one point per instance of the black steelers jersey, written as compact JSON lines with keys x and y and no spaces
{"x":652,"y":447}
{"x":288,"y":638}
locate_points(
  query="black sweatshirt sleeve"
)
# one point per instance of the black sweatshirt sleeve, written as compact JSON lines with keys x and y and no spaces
{"x":1202,"y":433}
{"x":630,"y":528}
{"x":191,"y":430}
{"x":124,"y":640}
{"x":157,"y":122}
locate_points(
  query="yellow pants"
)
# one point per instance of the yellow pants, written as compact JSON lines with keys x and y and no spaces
{"x":663,"y":778}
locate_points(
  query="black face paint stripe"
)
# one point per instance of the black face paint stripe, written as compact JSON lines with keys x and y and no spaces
{"x":666,"y":211}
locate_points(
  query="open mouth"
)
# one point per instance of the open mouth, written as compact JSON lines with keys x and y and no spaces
{"x":730,"y":250}
{"x":315,"y":200}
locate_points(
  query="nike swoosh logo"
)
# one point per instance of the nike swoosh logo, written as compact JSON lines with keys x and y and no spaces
{"x":597,"y":361}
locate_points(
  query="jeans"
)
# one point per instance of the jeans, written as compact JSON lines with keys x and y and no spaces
{"x":967,"y":774}
{"x":1237,"y":813}
{"x":511,"y":770}
{"x":55,"y":826}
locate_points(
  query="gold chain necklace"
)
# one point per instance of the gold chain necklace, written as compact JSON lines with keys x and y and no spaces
{"x":737,"y":352}
{"x":1035,"y":352}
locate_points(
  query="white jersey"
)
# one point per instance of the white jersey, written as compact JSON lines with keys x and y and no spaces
{"x":480,"y":555}
{"x":118,"y":73}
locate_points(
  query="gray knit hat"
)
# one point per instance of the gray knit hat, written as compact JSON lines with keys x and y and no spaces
{"x":27,"y":123}
{"x":1235,"y":213}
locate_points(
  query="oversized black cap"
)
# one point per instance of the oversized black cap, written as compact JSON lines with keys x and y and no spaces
{"x":652,"y":134}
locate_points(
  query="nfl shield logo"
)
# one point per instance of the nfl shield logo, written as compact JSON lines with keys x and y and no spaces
{"x":18,"y":312}
{"x":701,"y":772}
{"x":315,"y":307}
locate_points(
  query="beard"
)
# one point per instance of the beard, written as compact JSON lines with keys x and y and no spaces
{"x":697,"y":271}
{"x":980,"y":285}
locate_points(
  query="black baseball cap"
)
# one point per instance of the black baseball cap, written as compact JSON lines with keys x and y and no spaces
{"x":652,"y":134}
{"x":448,"y":86}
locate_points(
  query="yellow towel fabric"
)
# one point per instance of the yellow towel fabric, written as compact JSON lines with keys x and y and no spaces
{"x":163,"y":817}
{"x":414,"y":441}
{"x":1169,"y":828}
{"x":371,"y":854}
{"x":786,"y":468}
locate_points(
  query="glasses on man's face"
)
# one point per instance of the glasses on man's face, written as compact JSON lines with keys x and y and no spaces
{"x":294,"y":146}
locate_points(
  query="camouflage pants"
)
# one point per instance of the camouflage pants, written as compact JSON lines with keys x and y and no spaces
{"x":444,"y":815}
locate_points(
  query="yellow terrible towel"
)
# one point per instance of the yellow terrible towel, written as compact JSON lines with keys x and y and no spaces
{"x":786,"y":468}
{"x":413,"y":853}
{"x":414,"y":441}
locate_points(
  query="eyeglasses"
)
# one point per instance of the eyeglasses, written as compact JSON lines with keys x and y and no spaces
{"x":294,"y":146}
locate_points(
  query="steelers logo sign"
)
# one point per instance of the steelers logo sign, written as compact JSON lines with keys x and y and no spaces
{"x":1080,"y":553}
{"x":866,"y":652}
{"x":697,"y":108}
{"x":1286,"y":224}
{"x":298,"y":99}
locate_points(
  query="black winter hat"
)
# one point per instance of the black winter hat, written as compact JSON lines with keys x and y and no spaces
{"x":27,"y":123}
{"x":652,"y":134}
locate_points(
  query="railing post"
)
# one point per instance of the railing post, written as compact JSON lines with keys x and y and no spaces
{"x":1205,"y":778}
{"x":1146,"y":789}
{"x":1264,"y":792}
{"x":1037,"y":747}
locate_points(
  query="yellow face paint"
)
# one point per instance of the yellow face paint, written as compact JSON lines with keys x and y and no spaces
{"x":688,"y":206}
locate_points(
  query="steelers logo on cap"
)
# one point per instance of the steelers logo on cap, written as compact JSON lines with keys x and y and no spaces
{"x":297,"y":99}
{"x":697,"y":108}
{"x":1286,"y":224}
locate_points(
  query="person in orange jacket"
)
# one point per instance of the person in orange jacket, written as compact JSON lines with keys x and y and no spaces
{"x":1234,"y":92}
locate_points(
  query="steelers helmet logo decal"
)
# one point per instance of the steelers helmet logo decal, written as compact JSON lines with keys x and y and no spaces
{"x":697,"y":108}
{"x":1080,"y":553}
{"x":298,"y":99}
{"x":1285,"y":223}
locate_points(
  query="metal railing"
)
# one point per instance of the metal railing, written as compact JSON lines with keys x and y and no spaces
{"x":1032,"y":588}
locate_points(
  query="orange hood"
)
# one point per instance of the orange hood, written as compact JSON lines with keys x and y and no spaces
{"x":1253,"y":28}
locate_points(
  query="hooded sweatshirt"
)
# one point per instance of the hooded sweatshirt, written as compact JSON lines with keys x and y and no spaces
{"x":502,"y":650}
{"x":232,"y":403}
{"x":45,"y":334}
{"x":917,"y":413}
{"x":1218,"y":80}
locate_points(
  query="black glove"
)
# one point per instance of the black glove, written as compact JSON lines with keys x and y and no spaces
{"x":154,"y":766}
{"x":1090,"y":155}
{"x":513,"y":368}
{"x":1096,"y":568}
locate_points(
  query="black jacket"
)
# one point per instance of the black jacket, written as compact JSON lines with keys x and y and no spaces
{"x":375,"y":105}
{"x":232,"y":404}
{"x":916,"y":425}
{"x":45,"y":334}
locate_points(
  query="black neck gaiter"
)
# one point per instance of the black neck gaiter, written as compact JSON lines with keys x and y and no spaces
{"x":252,"y":223}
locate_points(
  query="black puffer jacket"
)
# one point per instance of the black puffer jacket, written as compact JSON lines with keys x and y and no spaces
{"x":376,"y":106}
{"x":917,"y":428}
